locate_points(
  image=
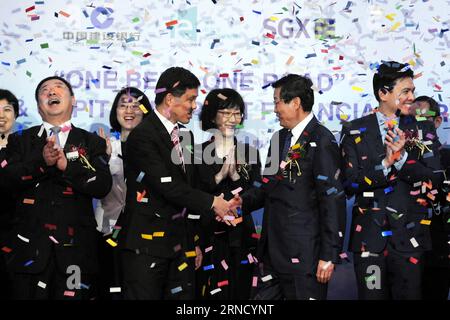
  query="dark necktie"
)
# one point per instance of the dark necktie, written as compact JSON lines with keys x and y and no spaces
{"x":286,"y":146}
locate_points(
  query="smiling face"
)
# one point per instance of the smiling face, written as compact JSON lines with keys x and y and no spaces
{"x":180,"y":109}
{"x":55,"y":102}
{"x":287,"y":113}
{"x":400,"y":97}
{"x":7,"y":117}
{"x":129,"y":115}
{"x":227,"y":119}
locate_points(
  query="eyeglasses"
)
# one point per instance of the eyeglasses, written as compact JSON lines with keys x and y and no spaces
{"x":134,"y":107}
{"x":228,"y":115}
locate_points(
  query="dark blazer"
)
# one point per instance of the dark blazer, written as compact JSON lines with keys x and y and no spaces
{"x":51,"y":203}
{"x":303,"y":216}
{"x":7,"y":201}
{"x":393,"y":206}
{"x":168,"y":190}
{"x":249,"y":169}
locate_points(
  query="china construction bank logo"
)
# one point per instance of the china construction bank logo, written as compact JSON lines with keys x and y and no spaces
{"x":184,"y":26}
{"x":102,"y":17}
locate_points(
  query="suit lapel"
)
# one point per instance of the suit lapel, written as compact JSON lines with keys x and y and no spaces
{"x":373,"y":130}
{"x":74,"y":138}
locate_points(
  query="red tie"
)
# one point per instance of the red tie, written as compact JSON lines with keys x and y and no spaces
{"x":176,"y":144}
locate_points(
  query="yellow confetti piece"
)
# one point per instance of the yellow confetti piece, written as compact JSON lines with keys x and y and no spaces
{"x":343,"y":116}
{"x":359,"y":89}
{"x":395,"y":26}
{"x":412,"y":62}
{"x":158,"y":234}
{"x":146,"y":236}
{"x":295,"y":146}
{"x":255,"y":61}
{"x":196,"y":238}
{"x":368,"y":181}
{"x":144,"y":109}
{"x":426,"y":222}
{"x":391,"y":16}
{"x":111,"y":243}
{"x":182,"y":266}
{"x":273,"y":18}
{"x":190,"y":254}
{"x":358,"y":140}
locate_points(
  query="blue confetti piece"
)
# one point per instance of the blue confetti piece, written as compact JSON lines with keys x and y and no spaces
{"x":320,"y":177}
{"x":428,"y":155}
{"x":362,"y":129}
{"x":84,"y":286}
{"x":130,"y":39}
{"x":176,"y":290}
{"x":239,"y":211}
{"x":355,"y":185}
{"x":145,"y":62}
{"x":96,"y":47}
{"x":28,"y":40}
{"x":256,"y":43}
{"x":388,"y":190}
{"x":21,"y":61}
{"x":266,"y":85}
{"x":410,"y":225}
{"x":116,"y":134}
{"x":331,"y":191}
{"x":28,"y":263}
{"x":257,"y":12}
{"x":140,"y":177}
{"x":244,"y":262}
{"x":379,"y":167}
{"x":6,"y":63}
{"x":386,"y":233}
{"x":310,"y":55}
{"x":210,"y":267}
{"x":257,"y":184}
{"x":39,"y":2}
{"x":85,"y":13}
{"x":274,"y":43}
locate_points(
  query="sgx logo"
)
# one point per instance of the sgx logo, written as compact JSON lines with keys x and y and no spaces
{"x":323,"y":28}
{"x":186,"y":27}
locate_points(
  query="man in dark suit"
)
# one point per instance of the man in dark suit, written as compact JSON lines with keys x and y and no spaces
{"x":303,"y":200}
{"x":391,"y":164}
{"x":436,"y":280}
{"x":162,"y":207}
{"x":56,"y":170}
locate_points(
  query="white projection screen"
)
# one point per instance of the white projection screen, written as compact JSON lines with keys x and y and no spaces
{"x":102,"y":46}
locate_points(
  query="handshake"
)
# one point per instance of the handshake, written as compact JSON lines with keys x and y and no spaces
{"x":226,"y":211}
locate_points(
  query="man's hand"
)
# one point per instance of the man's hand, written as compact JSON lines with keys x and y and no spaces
{"x":395,"y":147}
{"x":50,"y":153}
{"x":324,"y":271}
{"x":235,"y":202}
{"x":61,"y":163}
{"x":198,"y":257}
{"x":103,"y":135}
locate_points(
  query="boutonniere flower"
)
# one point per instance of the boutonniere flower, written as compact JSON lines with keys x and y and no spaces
{"x":412,"y":140}
{"x":295,"y":153}
{"x":79,"y":153}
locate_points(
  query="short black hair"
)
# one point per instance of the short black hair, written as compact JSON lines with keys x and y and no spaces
{"x":294,"y":85}
{"x":388,"y":74}
{"x":434,"y":106}
{"x":135,"y":93}
{"x":36,"y":93}
{"x":175,"y":80}
{"x":11,"y":98}
{"x":219,"y":99}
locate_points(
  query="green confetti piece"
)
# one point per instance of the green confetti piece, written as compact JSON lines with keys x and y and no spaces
{"x":136,"y":53}
{"x":135,"y":20}
{"x":370,"y":278}
{"x":266,"y":112}
{"x":29,"y":74}
{"x":421,"y":118}
{"x":239,"y":126}
{"x":92,"y":41}
{"x":44,"y":45}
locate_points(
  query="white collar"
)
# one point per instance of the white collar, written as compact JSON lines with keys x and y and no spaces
{"x":166,"y":122}
{"x":48,"y":126}
{"x":298,"y":129}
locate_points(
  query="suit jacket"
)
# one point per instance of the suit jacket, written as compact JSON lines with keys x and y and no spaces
{"x":390,"y":203}
{"x":7,"y":201}
{"x":304,"y":215}
{"x":54,"y":211}
{"x":158,"y":191}
{"x":249,"y":169}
